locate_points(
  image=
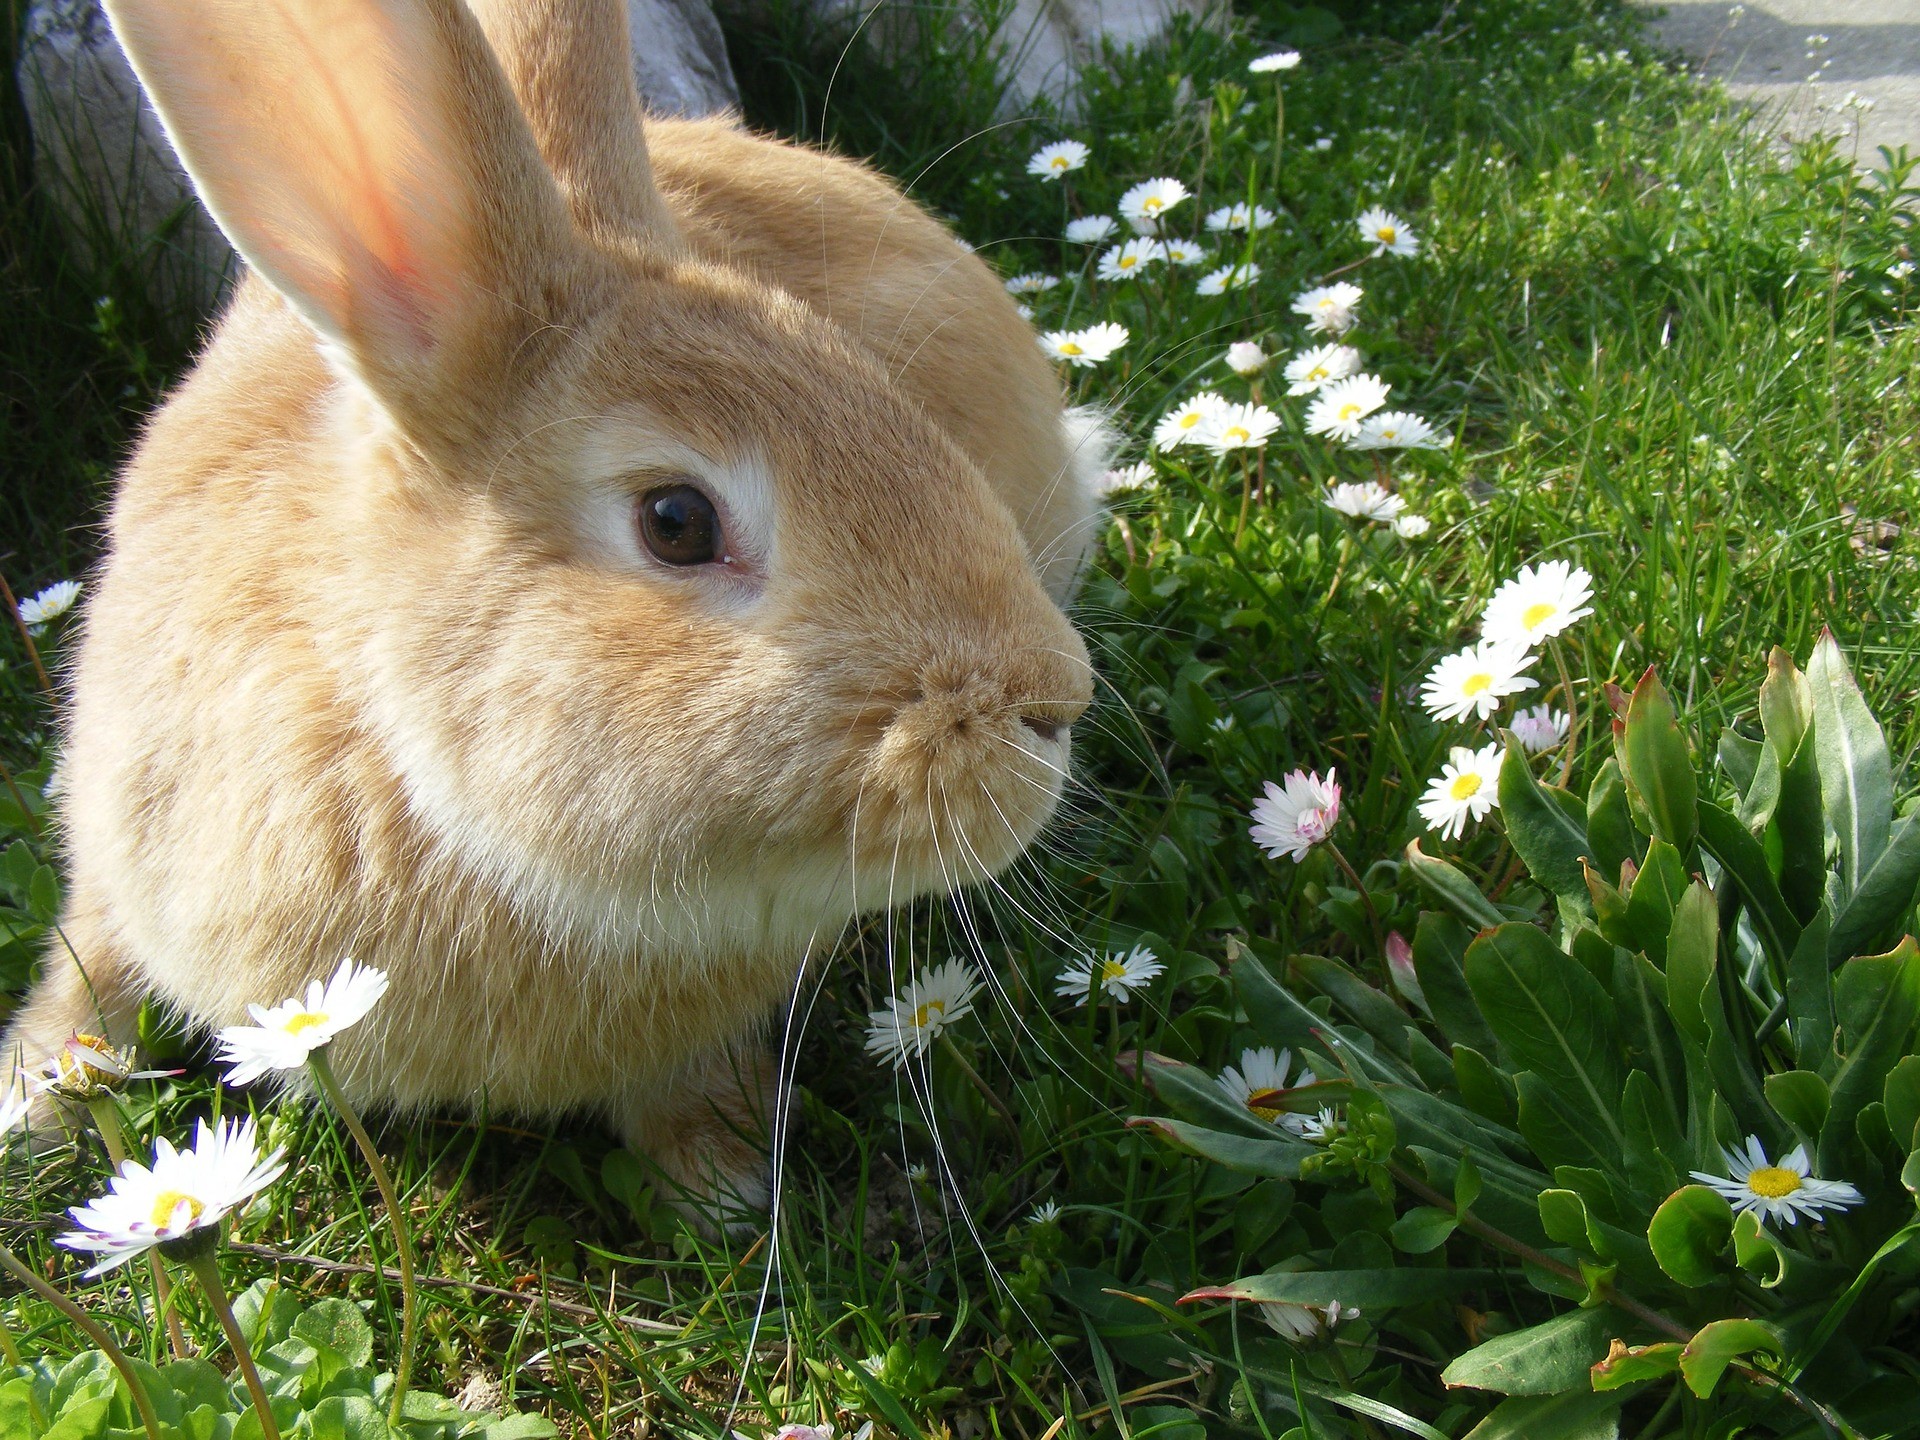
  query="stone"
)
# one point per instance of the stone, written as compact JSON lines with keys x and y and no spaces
{"x":680,"y":58}
{"x":1047,"y":42}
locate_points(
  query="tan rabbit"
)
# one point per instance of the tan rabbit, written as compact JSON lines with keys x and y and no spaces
{"x":572,"y":585}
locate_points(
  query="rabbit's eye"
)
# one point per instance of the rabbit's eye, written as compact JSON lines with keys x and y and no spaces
{"x":679,"y":525}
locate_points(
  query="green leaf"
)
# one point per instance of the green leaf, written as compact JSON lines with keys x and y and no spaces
{"x":1576,"y":1415}
{"x":1659,"y":767}
{"x":265,"y":1312}
{"x":1646,"y":1029}
{"x":1856,"y":773}
{"x":1885,"y":894}
{"x":1877,"y":1002}
{"x":338,"y":1325}
{"x":1552,"y":1018}
{"x":1693,"y":952}
{"x":1757,"y":1252}
{"x":1197,"y":1095}
{"x":1543,"y":1359}
{"x":1689,"y":1234}
{"x":1609,"y":910}
{"x":43,"y":895}
{"x":1902,"y":1099}
{"x":1423,"y":1229}
{"x":1452,"y":888}
{"x":1367,"y":1289}
{"x":1629,"y":1365}
{"x":1439,"y":961}
{"x":1713,"y":1347}
{"x":1801,"y":1099}
{"x":1800,"y":829}
{"x":1650,"y":903}
{"x":1810,"y":996}
{"x":1610,"y":834}
{"x":1562,"y":1131}
{"x":1467,"y":1184}
{"x":1653,"y":1137}
{"x":1563,"y":1215}
{"x":1745,"y":863}
{"x":347,"y":1417}
{"x":1271,"y":1156}
{"x":1740,"y":758}
{"x":1541,"y":831}
{"x":1488,"y":1090}
{"x":519,"y":1427}
{"x":1786,"y":705}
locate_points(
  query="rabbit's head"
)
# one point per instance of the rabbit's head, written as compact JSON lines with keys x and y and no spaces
{"x":670,"y":612}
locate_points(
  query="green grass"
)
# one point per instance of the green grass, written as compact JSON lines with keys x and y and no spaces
{"x":1668,"y":356}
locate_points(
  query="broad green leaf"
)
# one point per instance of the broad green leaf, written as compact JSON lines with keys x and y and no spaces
{"x":266,"y":1312}
{"x":1786,"y":705}
{"x":1484,"y":1086}
{"x":1801,"y":1098}
{"x":1538,"y":826}
{"x":1693,"y":952}
{"x":1659,"y":766}
{"x":1366,"y":1007}
{"x":1273,"y":1156}
{"x":1877,"y":1002}
{"x":1740,"y":758}
{"x":1452,"y":888}
{"x":1466,"y":1185}
{"x":1705,"y":1358}
{"x":1423,"y":1229}
{"x":1576,"y":1415}
{"x":1745,"y":862}
{"x":1629,"y":1365}
{"x":1810,"y":997}
{"x":347,"y":1417}
{"x":1196,"y":1094}
{"x":1543,"y":1359}
{"x":1552,"y":1018}
{"x":1885,"y":894}
{"x":1650,"y":903}
{"x":1689,"y":1234}
{"x":1757,"y":1252}
{"x":1274,"y":1011}
{"x":339,"y":1325}
{"x":519,"y":1427}
{"x":1799,"y":829}
{"x":1367,"y":1289}
{"x":1902,"y":1099}
{"x":1646,"y":1029}
{"x":1439,"y":960}
{"x":1610,"y":833}
{"x":1609,"y":910}
{"x":1563,"y":1215}
{"x":1856,"y":773}
{"x":1653,"y":1138}
{"x":1562,"y":1131}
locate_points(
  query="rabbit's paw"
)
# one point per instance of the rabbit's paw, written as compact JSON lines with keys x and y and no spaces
{"x":706,"y":1140}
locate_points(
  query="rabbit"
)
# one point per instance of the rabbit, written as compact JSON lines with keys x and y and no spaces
{"x":593,"y":559}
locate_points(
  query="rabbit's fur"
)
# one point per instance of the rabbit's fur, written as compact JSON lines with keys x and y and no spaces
{"x":377,"y":666}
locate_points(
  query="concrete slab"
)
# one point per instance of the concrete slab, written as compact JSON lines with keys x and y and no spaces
{"x":1767,"y":52}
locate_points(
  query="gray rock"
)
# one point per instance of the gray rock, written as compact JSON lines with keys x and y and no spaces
{"x":1047,"y":42}
{"x":680,"y":58}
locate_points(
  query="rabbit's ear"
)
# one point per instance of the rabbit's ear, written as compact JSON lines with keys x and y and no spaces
{"x":368,"y":158}
{"x":571,"y":64}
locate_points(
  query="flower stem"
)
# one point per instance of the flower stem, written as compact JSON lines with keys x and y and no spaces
{"x":109,"y":1122}
{"x":999,"y":1106}
{"x":93,"y":1331}
{"x":205,"y":1264}
{"x":403,"y":1243}
{"x":1573,"y":713}
{"x":1279,"y":139}
{"x":20,"y":624}
{"x":1373,"y":916}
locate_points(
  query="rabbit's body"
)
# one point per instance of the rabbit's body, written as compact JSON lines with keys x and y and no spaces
{"x":378,"y":667}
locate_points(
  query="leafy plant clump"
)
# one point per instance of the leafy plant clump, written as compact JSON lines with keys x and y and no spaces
{"x":1640,"y":1159}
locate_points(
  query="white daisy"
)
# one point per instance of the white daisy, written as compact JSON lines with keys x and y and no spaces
{"x":1033,"y":283}
{"x":1025,"y":312}
{"x":913,"y":1019}
{"x":1183,"y":426}
{"x":1540,"y":602}
{"x":1324,"y":143}
{"x":1228,"y":277}
{"x":1304,"y":1322}
{"x":1291,"y":818}
{"x":1124,"y":477}
{"x":1388,"y":233}
{"x":1475,"y":680}
{"x":1246,"y":358}
{"x":1115,"y":975}
{"x":1411,"y":527}
{"x":183,"y":1191}
{"x":1310,"y":369}
{"x":1367,"y":500}
{"x":1091,"y":229}
{"x":87,"y":1065}
{"x":13,"y":1109}
{"x":1146,"y":202}
{"x":1783,"y":1191}
{"x":1127,"y":261}
{"x":1085,"y":348}
{"x":1050,"y":162}
{"x":283,"y":1037}
{"x":1239,"y":216}
{"x":1329,"y":308}
{"x":1466,"y":789}
{"x":1186,"y":252}
{"x":1396,"y":430}
{"x":1541,"y":728}
{"x":1237,"y":427}
{"x":1321,"y":1126}
{"x":1260,"y":1074}
{"x":1278,"y":60}
{"x":39,"y":611}
{"x":1044,"y":1214}
{"x":1342,"y":405}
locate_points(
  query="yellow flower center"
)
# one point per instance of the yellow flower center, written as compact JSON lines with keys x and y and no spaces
{"x":1127,"y":262}
{"x":1112,"y":970}
{"x":1465,"y":787}
{"x":168,"y":1201}
{"x":1070,"y":347}
{"x":73,"y":1068}
{"x":1239,"y":434}
{"x":1386,"y":234}
{"x":1773,"y":1183}
{"x":1475,"y":684}
{"x":1319,"y":372}
{"x":1350,"y":411}
{"x":1191,"y":419}
{"x":927,"y":1011}
{"x":1059,"y":162}
{"x":1538,"y":614}
{"x":303,"y":1022}
{"x":1153,"y":204}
